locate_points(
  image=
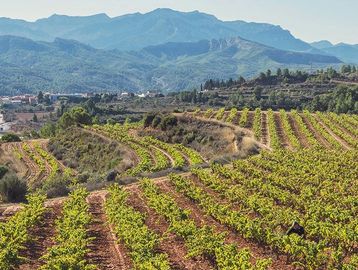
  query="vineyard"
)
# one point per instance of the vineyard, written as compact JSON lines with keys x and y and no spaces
{"x":291,"y":130}
{"x":218,"y":216}
{"x":40,"y":165}
{"x":152,"y":154}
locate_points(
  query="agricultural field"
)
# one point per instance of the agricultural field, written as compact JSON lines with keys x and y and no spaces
{"x":290,"y":130}
{"x":169,"y":203}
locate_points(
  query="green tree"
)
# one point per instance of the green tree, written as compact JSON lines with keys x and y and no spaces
{"x":40,"y":97}
{"x":34,"y":118}
{"x":76,"y":115}
{"x":48,"y":130}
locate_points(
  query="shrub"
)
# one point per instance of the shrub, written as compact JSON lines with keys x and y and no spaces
{"x":56,"y":187}
{"x":13,"y":189}
{"x":111,"y":176}
{"x":10,"y":138}
{"x":3,"y":171}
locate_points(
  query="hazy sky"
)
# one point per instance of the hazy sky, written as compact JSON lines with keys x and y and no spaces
{"x":310,"y":20}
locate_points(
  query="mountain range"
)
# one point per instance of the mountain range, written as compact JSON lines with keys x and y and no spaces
{"x":346,"y":52}
{"x":163,"y":49}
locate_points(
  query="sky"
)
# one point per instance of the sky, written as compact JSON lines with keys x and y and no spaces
{"x":309,"y":20}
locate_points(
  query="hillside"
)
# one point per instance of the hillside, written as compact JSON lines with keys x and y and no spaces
{"x":136,"y":31}
{"x":70,"y":66}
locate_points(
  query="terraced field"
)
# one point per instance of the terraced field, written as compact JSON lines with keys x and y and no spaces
{"x":292,"y":130}
{"x":152,"y":154}
{"x":40,"y":164}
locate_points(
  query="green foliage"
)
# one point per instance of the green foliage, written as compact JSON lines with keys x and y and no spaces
{"x":12,"y":189}
{"x":129,"y":227}
{"x":15,"y":232}
{"x":10,"y":137}
{"x":3,"y":171}
{"x":48,"y":130}
{"x":80,"y":150}
{"x":71,"y":239}
{"x":76,"y":115}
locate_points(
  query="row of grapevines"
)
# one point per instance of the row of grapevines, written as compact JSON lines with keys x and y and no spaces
{"x":179,"y":160}
{"x":244,"y":117}
{"x":130,"y":228}
{"x":308,"y":253}
{"x":288,"y":130}
{"x":34,"y":156}
{"x":279,"y":215}
{"x":257,"y":124}
{"x":274,"y":138}
{"x":337,"y":130}
{"x":232,"y":115}
{"x":304,"y":129}
{"x":208,"y":113}
{"x":50,"y":159}
{"x":322,"y":130}
{"x":71,"y":239}
{"x":193,"y":156}
{"x":344,"y":121}
{"x":14,"y":233}
{"x":161,"y":160}
{"x":220,"y":114}
{"x":199,"y":241}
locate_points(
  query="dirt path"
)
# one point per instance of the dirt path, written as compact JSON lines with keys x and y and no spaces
{"x":296,"y":130}
{"x":104,"y":250}
{"x":337,"y":138}
{"x":281,"y":132}
{"x":43,"y":238}
{"x":201,"y":219}
{"x":170,"y":244}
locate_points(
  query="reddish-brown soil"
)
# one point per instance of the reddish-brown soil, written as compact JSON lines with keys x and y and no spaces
{"x":104,"y":252}
{"x":250,"y":120}
{"x":170,"y":244}
{"x":265,"y":138}
{"x":296,"y":130}
{"x":42,"y":238}
{"x":316,"y":134}
{"x":281,"y":132}
{"x":336,"y":137}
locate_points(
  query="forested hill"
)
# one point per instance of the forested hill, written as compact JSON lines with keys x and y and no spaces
{"x":70,"y":66}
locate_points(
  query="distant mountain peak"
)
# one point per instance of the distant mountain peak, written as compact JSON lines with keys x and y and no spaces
{"x":322,"y":44}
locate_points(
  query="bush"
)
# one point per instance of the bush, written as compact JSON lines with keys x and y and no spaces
{"x":3,"y":171}
{"x":10,"y":138}
{"x":111,"y":176}
{"x":13,"y":189}
{"x":56,"y":187}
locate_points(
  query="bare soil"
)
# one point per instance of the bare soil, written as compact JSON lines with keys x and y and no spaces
{"x":42,"y":238}
{"x":281,"y":132}
{"x":296,"y":130}
{"x":104,"y":252}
